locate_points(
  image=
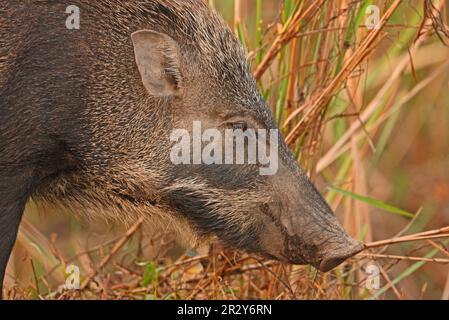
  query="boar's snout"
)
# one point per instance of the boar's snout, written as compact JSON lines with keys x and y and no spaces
{"x":335,"y":257}
{"x":302,"y":229}
{"x":323,"y":251}
{"x":324,"y":246}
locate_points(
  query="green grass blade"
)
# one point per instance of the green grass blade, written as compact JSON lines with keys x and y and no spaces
{"x":407,"y":272}
{"x":374,"y":202}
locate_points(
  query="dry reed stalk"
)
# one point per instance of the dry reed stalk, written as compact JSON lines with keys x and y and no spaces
{"x":286,"y":34}
{"x":403,"y":239}
{"x":359,"y":55}
{"x":426,"y":235}
{"x":238,"y":13}
{"x":390,"y":283}
{"x":343,"y":144}
{"x":410,"y":258}
{"x":113,"y":251}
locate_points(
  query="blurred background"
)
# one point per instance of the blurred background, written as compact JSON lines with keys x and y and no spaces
{"x":360,"y":90}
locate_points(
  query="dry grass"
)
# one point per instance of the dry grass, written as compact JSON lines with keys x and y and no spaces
{"x":365,"y":112}
{"x":223,"y":274}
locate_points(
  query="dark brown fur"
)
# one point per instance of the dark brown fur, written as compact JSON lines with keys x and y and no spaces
{"x":78,"y":129}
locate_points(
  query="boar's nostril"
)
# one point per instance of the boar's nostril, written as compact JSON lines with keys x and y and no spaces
{"x":336,"y":258}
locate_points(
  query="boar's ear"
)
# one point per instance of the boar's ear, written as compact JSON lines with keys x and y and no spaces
{"x":157,"y":57}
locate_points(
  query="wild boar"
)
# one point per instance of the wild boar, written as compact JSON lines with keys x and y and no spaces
{"x":86,"y":116}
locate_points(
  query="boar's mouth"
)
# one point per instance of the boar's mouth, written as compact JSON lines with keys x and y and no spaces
{"x":336,"y":258}
{"x":324,"y":248}
{"x":233,"y":230}
{"x":324,"y":259}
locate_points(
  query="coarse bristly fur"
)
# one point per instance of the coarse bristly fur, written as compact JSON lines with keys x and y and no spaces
{"x":79,"y":128}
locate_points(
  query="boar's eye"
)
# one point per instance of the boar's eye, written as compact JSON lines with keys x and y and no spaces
{"x":241,"y":125}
